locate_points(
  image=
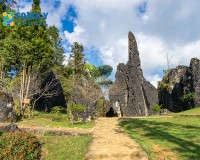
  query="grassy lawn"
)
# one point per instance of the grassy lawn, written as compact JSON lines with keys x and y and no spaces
{"x":53,"y":120}
{"x":189,"y":112}
{"x":167,"y":138}
{"x":64,"y":147}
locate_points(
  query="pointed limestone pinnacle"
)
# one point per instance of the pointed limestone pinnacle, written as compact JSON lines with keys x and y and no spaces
{"x":133,"y":50}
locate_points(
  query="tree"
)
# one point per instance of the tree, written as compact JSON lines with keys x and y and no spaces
{"x":28,"y":48}
{"x":5,"y":31}
{"x":100,"y":74}
{"x":77,"y":59}
{"x":56,"y":41}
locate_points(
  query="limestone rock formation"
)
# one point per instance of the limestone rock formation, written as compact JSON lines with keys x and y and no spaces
{"x":132,"y":95}
{"x":56,"y":96}
{"x":6,"y":110}
{"x":179,"y":89}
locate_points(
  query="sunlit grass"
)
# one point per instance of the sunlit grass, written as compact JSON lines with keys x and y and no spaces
{"x":64,"y":147}
{"x":54,"y":120}
{"x":169,"y":138}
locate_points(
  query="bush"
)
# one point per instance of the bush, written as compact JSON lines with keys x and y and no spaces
{"x":188,"y":97}
{"x":76,"y":110}
{"x":164,"y":87}
{"x":157,"y":108}
{"x":58,"y":109}
{"x":19,"y":145}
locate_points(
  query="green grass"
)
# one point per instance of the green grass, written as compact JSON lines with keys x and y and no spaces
{"x":64,"y":147}
{"x":53,"y":120}
{"x":172,"y":138}
{"x":194,"y":111}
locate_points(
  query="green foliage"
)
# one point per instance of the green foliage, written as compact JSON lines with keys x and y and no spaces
{"x":19,"y":145}
{"x":101,"y":74}
{"x":58,"y":48}
{"x":58,"y":109}
{"x":174,"y":81}
{"x":157,"y":108}
{"x":188,"y":97}
{"x":89,"y":66}
{"x":77,"y":59}
{"x":164,"y":87}
{"x":100,"y":105}
{"x":57,"y":113}
{"x":104,"y":70}
{"x":42,"y":119}
{"x":76,"y":110}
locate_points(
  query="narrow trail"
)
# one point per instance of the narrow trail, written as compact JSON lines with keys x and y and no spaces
{"x":111,"y":143}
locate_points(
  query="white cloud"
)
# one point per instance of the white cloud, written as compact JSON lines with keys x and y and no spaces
{"x":154,"y":79}
{"x":79,"y":35}
{"x":66,"y":59}
{"x":164,"y":29}
{"x":167,"y":27}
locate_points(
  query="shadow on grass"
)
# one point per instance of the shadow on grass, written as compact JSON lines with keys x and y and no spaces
{"x":179,"y":137}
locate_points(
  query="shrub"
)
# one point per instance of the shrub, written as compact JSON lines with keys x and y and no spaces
{"x":76,"y":110}
{"x":19,"y":145}
{"x":174,"y":81}
{"x":188,"y":97}
{"x":164,"y":87}
{"x":58,"y":109}
{"x":157,"y":108}
{"x":57,"y":114}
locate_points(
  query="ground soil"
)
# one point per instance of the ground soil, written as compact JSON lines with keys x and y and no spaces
{"x":110,"y":142}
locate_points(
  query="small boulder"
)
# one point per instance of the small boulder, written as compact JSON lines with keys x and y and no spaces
{"x":10,"y":128}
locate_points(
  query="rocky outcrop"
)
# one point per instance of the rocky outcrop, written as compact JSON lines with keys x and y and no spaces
{"x":6,"y":111}
{"x":131,"y":94}
{"x":53,"y":93}
{"x":9,"y":128}
{"x":179,"y":89}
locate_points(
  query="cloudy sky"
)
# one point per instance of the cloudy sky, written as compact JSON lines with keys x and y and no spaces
{"x":161,"y":27}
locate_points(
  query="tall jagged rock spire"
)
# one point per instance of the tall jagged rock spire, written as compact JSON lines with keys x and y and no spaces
{"x":132,"y":95}
{"x":133,"y":54}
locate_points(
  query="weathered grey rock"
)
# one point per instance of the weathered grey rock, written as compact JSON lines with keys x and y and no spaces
{"x":132,"y":95}
{"x":195,"y":79}
{"x":56,"y":96}
{"x":10,"y":128}
{"x":179,"y":89}
{"x":6,"y":110}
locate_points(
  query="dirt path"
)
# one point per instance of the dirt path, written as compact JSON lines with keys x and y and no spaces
{"x":111,"y":143}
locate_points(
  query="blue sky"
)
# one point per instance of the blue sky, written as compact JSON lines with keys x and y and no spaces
{"x":161,"y":28}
